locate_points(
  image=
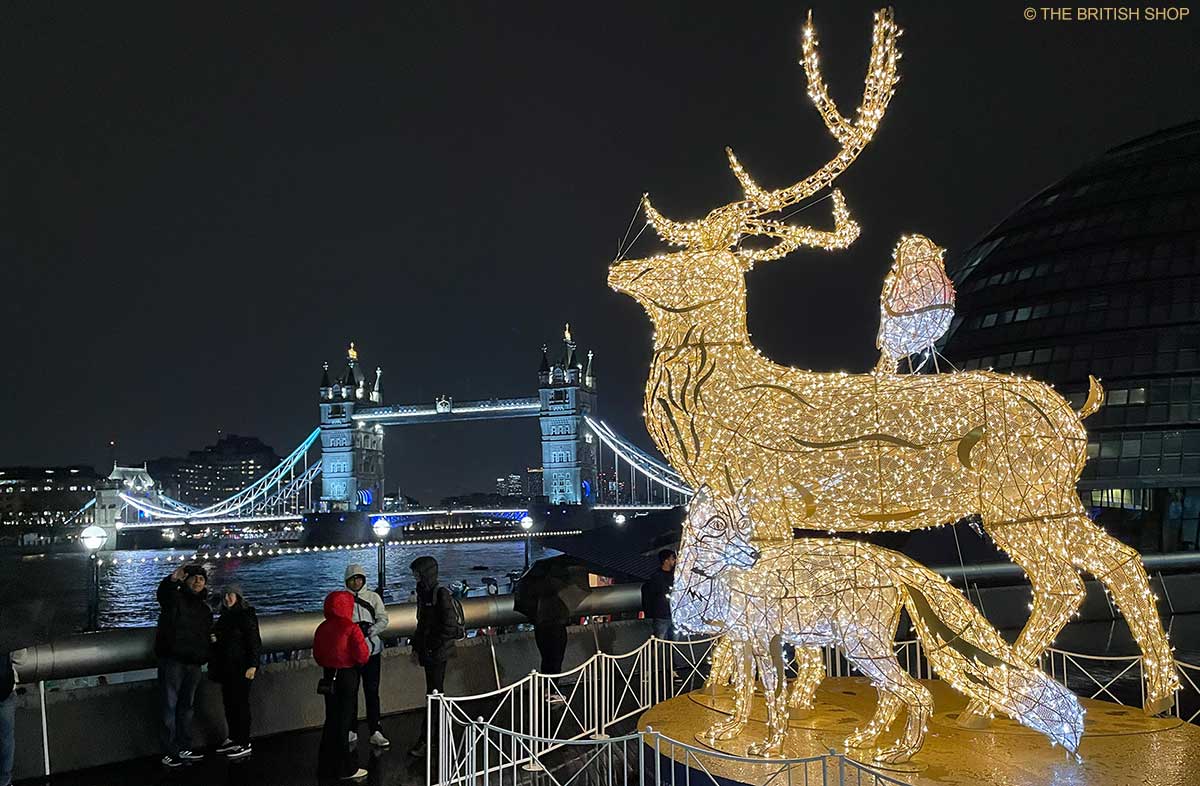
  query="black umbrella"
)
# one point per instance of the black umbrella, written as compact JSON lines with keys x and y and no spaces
{"x":551,"y":590}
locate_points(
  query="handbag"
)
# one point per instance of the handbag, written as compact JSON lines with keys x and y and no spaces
{"x":325,"y":684}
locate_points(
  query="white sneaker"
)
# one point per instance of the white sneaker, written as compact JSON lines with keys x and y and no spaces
{"x":554,"y":698}
{"x":379,"y":740}
{"x":188,"y":755}
{"x":239,"y":752}
{"x":358,"y":776}
{"x":226,"y":746}
{"x":353,"y":738}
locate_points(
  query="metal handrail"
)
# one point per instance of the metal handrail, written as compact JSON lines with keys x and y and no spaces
{"x":130,"y":649}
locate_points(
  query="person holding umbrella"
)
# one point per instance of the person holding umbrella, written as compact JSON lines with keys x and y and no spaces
{"x":548,"y":594}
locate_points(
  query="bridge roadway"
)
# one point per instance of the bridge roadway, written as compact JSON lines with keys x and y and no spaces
{"x":449,"y":410}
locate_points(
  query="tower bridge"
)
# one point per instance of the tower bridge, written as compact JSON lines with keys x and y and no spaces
{"x":354,"y":416}
{"x":339,"y":467}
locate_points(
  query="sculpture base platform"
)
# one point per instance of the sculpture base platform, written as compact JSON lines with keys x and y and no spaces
{"x":1120,"y":744}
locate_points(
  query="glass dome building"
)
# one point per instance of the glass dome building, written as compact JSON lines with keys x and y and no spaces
{"x":1100,"y":274}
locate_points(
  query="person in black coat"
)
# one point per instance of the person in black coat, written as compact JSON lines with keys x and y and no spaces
{"x":656,"y":596}
{"x":437,"y":630}
{"x":234,"y":664}
{"x":181,"y":644}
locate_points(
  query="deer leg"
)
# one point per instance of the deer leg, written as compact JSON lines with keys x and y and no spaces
{"x":1057,"y":594}
{"x":769,"y":660}
{"x":810,"y":670}
{"x":743,"y":692}
{"x":1119,"y":568}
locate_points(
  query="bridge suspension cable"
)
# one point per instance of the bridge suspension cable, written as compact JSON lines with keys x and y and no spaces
{"x":654,"y":471}
{"x":279,"y":487}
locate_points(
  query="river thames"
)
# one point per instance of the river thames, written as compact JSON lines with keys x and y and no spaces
{"x":45,"y":595}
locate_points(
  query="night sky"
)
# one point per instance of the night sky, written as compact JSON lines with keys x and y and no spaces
{"x":199,"y":206}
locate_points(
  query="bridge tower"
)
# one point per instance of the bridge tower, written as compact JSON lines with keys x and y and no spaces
{"x":351,"y":452}
{"x":567,"y":389}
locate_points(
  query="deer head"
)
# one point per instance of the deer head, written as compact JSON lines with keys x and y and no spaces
{"x":710,"y":267}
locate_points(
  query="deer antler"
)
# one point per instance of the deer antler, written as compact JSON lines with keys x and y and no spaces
{"x":845,"y":231}
{"x":877,"y":92}
{"x":677,"y":233}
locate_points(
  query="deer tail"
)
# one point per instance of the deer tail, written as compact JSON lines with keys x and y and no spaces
{"x":1095,"y":398}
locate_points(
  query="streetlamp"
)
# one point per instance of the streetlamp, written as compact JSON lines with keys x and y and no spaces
{"x":94,"y":538}
{"x":382,"y":528}
{"x":527,"y":524}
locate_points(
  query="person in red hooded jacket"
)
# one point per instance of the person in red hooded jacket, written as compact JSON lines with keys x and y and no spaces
{"x":339,"y":648}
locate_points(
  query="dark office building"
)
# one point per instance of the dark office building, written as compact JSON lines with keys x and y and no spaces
{"x":43,"y":498}
{"x":1100,"y":274}
{"x":215,"y":473}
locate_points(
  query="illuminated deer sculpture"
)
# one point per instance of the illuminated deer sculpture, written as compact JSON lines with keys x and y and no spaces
{"x":836,"y":452}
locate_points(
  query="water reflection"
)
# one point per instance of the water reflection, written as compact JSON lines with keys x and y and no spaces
{"x":49,"y":591}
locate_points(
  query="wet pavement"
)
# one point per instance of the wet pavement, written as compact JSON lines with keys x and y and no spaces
{"x":282,"y":760}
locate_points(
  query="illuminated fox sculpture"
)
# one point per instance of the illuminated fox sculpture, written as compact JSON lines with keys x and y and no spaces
{"x":836,"y":452}
{"x":828,"y":592}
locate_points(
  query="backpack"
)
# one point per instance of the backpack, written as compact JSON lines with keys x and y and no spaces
{"x":460,"y":619}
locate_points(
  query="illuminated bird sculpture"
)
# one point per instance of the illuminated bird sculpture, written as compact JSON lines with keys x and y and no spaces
{"x":836,"y":452}
{"x":917,"y":302}
{"x":826,"y":592}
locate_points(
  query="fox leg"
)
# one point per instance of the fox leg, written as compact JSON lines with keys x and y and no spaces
{"x":886,"y":710}
{"x":810,"y":670}
{"x":769,"y":660}
{"x":1058,"y":593}
{"x":721,"y":672}
{"x":743,"y":692}
{"x":1119,"y":568}
{"x":896,"y":689}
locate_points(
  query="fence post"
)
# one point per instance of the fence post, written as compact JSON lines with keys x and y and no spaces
{"x":429,"y":740}
{"x":486,"y":768}
{"x":535,"y":715}
{"x":601,"y":701}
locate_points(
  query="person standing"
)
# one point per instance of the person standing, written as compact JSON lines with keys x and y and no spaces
{"x":181,"y":643}
{"x":340,"y":649}
{"x":656,"y":596}
{"x":233,"y":663}
{"x":8,"y":717}
{"x":370,"y":614}
{"x":437,"y":630}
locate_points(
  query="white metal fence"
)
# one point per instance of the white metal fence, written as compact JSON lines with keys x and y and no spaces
{"x":553,"y":729}
{"x":646,"y":758}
